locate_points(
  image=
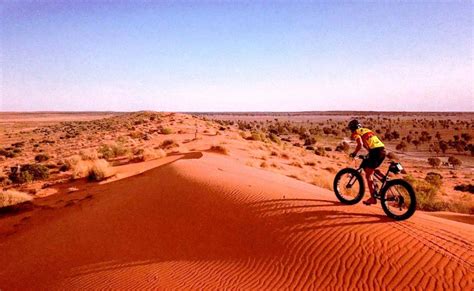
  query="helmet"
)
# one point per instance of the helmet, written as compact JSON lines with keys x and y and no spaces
{"x":354,"y":124}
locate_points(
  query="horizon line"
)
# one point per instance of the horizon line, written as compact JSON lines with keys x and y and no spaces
{"x":231,"y":112}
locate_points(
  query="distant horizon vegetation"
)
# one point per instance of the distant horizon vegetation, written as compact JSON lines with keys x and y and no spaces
{"x":305,"y":112}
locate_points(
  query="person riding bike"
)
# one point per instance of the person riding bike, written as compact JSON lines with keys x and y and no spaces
{"x":367,"y":138}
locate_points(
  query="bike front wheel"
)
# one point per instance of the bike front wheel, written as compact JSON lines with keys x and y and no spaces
{"x":398,"y":199}
{"x":349,"y":186}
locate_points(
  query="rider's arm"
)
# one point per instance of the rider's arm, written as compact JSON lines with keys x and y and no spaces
{"x":358,"y":147}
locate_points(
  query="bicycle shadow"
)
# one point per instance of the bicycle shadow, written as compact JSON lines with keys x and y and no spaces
{"x":299,"y":215}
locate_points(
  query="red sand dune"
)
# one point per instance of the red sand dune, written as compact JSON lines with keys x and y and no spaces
{"x":210,"y":223}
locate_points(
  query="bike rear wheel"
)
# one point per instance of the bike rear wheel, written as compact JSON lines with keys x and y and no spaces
{"x":349,"y":186}
{"x":398,"y":199}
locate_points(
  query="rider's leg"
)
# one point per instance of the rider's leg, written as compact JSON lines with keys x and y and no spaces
{"x":370,"y":180}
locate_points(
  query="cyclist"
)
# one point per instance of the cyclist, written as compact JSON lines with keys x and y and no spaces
{"x":366,"y":137}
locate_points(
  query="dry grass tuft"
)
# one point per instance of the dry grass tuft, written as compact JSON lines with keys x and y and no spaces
{"x":168,"y":144}
{"x":88,"y":155}
{"x":219,"y":149}
{"x":99,"y":170}
{"x":323,"y":182}
{"x":12,"y":197}
{"x":94,"y":170}
{"x":296,"y":164}
{"x":147,"y":154}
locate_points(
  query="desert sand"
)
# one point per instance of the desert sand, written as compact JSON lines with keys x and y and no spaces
{"x":203,"y":220}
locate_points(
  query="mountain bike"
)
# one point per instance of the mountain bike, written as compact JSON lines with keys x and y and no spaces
{"x":397,"y":196}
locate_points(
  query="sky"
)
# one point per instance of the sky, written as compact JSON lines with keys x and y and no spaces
{"x":236,"y":55}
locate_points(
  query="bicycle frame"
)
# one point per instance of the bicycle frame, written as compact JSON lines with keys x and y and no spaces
{"x":382,"y":179}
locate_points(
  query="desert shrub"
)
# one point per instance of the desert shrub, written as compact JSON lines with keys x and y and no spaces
{"x":64,"y":167}
{"x":330,"y":170}
{"x":110,"y":151}
{"x":465,"y":188}
{"x":426,"y":195}
{"x":310,"y":163}
{"x":218,"y":149}
{"x":434,"y":179}
{"x":455,"y":162}
{"x":392,"y":156}
{"x":285,"y":156}
{"x":18,"y":144}
{"x":28,"y":173}
{"x":309,"y":140}
{"x":41,"y":158}
{"x":296,"y":164}
{"x":320,"y":151}
{"x":343,"y":147}
{"x":256,"y":136}
{"x":51,"y":166}
{"x":274,"y":154}
{"x":12,"y":197}
{"x":72,"y":161}
{"x":166,"y":130}
{"x":328,"y":149}
{"x":98,"y":171}
{"x":323,"y":182}
{"x":146,"y":154}
{"x":136,"y":134}
{"x":264,"y":165}
{"x":168,"y":144}
{"x":7,"y":153}
{"x":402,"y":146}
{"x":88,"y":155}
{"x":274,"y":138}
{"x":80,"y":169}
{"x":434,"y":162}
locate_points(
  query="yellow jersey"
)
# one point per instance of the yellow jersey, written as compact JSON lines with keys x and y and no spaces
{"x":369,"y":139}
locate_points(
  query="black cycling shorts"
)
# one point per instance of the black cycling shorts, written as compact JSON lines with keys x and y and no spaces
{"x":375,"y":158}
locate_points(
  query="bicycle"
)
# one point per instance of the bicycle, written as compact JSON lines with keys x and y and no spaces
{"x":397,"y":196}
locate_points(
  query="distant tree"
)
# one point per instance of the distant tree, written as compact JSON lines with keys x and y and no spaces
{"x":434,"y":147}
{"x":443,"y":146}
{"x":416,"y":143}
{"x":402,"y":146}
{"x":466,"y":136}
{"x":434,"y":162}
{"x":455,"y":162}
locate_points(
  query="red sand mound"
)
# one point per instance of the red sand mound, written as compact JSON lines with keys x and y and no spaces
{"x":210,"y":223}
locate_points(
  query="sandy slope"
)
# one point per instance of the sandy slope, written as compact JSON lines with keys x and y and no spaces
{"x":207,"y":222}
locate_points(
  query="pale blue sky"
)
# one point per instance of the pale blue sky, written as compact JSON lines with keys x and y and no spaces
{"x":236,"y":56}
